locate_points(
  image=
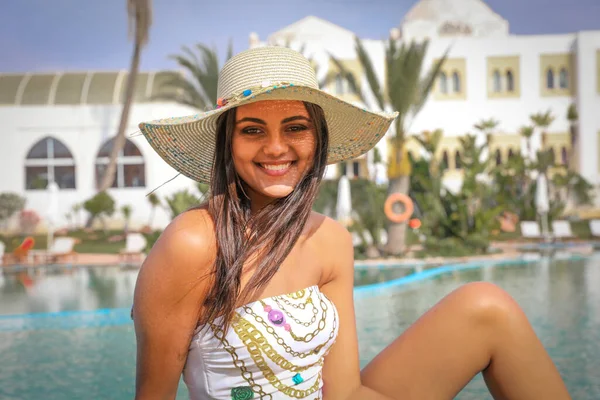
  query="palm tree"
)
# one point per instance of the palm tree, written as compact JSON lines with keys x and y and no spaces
{"x":199,"y":88}
{"x":126,"y":210}
{"x":140,"y":20}
{"x":405,"y":90}
{"x":527,"y":132}
{"x":542,"y":121}
{"x":573,"y":118}
{"x":487,"y":127}
{"x":154,"y":202}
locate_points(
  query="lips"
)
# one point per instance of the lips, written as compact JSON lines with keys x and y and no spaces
{"x":276,"y":168}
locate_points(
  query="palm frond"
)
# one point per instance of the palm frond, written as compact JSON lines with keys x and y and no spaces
{"x":347,"y":76}
{"x":426,"y":84}
{"x":367,"y":66}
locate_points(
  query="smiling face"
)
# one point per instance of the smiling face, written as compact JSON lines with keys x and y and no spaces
{"x":273,"y":146}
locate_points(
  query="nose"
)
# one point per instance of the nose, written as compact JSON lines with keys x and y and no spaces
{"x":275,"y":145}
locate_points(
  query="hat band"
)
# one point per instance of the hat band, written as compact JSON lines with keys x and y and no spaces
{"x":265,"y":87}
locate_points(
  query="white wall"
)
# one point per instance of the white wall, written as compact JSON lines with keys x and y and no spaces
{"x":588,"y":104}
{"x":83,"y":129}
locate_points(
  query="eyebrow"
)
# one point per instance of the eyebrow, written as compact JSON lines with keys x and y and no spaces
{"x":283,"y":121}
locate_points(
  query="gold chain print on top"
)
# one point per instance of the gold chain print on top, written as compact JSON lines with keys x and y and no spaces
{"x":273,"y":349}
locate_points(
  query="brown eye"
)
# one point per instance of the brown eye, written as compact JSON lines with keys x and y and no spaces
{"x":251,"y":131}
{"x":297,"y":128}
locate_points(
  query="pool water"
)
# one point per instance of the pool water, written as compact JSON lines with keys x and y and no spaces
{"x":91,"y":355}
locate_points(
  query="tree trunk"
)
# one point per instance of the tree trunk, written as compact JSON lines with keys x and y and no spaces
{"x":573,"y":161}
{"x":119,"y":142}
{"x":396,"y":243}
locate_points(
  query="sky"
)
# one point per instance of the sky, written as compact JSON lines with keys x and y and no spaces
{"x":78,"y":35}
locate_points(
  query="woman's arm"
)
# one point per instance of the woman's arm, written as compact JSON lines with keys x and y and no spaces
{"x":341,"y":371}
{"x":171,"y":286}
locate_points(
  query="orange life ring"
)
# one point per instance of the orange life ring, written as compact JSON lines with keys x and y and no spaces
{"x":408,"y":207}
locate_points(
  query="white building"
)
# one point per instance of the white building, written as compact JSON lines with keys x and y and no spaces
{"x":56,"y":126}
{"x":489,"y":73}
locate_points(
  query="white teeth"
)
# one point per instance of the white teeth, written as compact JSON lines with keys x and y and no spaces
{"x":278,"y":167}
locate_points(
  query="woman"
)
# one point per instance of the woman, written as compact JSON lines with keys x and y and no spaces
{"x":250,"y":295}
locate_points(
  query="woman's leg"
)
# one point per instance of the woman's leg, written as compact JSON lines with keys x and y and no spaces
{"x":478,"y":327}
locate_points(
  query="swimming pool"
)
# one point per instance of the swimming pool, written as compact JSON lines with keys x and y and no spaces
{"x":71,"y":354}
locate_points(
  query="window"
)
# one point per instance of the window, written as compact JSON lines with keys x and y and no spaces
{"x":563,"y":80}
{"x":444,"y":165}
{"x":497,"y":82}
{"x":550,"y":79}
{"x":131,"y":170}
{"x":498,"y":157}
{"x":456,"y":82}
{"x":457,"y":160}
{"x":443,"y":83}
{"x":356,"y":169}
{"x":339,"y":84}
{"x":510,"y":81}
{"x":344,"y":169}
{"x":564,"y":156}
{"x":511,"y":154}
{"x":49,"y":160}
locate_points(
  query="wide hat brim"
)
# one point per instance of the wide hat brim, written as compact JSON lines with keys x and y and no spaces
{"x":188,"y":143}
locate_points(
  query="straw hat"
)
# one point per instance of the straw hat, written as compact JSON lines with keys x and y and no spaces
{"x":263,"y":73}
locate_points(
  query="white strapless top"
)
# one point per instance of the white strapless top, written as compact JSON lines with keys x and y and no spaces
{"x":274,"y":349}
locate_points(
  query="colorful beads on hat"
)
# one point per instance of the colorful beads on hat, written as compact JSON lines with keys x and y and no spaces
{"x":221,"y":102}
{"x":247,"y":92}
{"x":298,"y":379}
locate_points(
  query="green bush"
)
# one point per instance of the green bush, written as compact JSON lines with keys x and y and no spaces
{"x":100,"y":206}
{"x":10,"y":203}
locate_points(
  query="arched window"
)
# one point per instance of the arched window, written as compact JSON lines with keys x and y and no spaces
{"x":456,"y":86}
{"x":510,"y":81}
{"x":497,"y":82}
{"x":457,"y":160}
{"x":445,"y":163}
{"x":563,"y":79}
{"x":511,"y":153}
{"x":339,"y":84}
{"x":564,"y":156}
{"x":498,"y":157}
{"x":49,"y":160}
{"x":131,"y":171}
{"x":443,"y":83}
{"x":550,"y":79}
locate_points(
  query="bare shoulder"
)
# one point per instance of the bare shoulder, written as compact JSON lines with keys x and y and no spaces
{"x":334,"y":244}
{"x":189,"y":240}
{"x":330,"y":232}
{"x":181,"y":260}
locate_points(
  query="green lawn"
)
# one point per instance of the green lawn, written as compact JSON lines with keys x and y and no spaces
{"x":91,"y":242}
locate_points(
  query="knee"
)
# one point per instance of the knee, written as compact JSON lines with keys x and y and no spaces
{"x":486,"y":304}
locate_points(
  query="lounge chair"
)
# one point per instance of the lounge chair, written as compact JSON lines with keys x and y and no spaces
{"x":562,"y":229}
{"x":530,"y":230}
{"x":20,"y":255}
{"x":595,"y":227}
{"x":135,"y":244}
{"x":62,"y":249}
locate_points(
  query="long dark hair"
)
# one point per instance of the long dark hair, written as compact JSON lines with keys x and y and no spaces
{"x":268,"y":235}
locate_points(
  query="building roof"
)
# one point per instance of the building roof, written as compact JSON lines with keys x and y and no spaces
{"x":310,"y":28}
{"x":78,"y":88}
{"x":466,"y":17}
